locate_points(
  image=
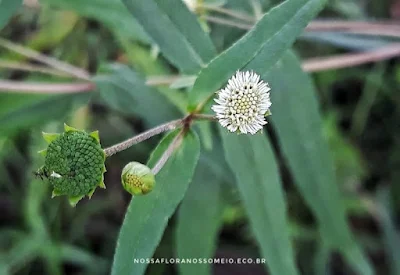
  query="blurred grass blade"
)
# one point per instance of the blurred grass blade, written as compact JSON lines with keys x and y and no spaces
{"x":174,"y":30}
{"x":200,"y":217}
{"x":346,"y":41}
{"x":147,"y":216}
{"x":7,"y":9}
{"x":299,"y":129}
{"x":272,"y":35}
{"x":80,"y":257}
{"x":252,"y":161}
{"x":111,"y":13}
{"x":391,"y":238}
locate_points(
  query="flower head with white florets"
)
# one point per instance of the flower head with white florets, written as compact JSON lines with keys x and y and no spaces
{"x":243,"y":104}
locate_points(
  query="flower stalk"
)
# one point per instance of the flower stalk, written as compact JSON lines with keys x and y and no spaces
{"x":176,"y":142}
{"x":143,"y":136}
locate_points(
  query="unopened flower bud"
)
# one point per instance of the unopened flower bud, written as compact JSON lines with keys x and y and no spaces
{"x":137,"y":178}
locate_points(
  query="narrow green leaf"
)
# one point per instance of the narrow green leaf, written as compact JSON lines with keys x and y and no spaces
{"x":299,"y":128}
{"x":7,"y":9}
{"x":264,"y":44}
{"x":166,"y":34}
{"x":199,"y":219}
{"x":252,"y":161}
{"x":124,"y":90}
{"x":147,"y":216}
{"x":188,"y":25}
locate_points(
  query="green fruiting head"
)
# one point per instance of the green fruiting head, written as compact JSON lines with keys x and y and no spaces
{"x":137,"y":178}
{"x":74,"y":163}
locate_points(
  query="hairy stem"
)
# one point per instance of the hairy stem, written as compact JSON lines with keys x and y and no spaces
{"x":185,"y":121}
{"x":176,"y":142}
{"x":143,"y":136}
{"x":203,"y":117}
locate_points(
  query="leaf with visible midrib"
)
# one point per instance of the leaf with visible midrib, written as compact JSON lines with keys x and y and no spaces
{"x":187,"y":47}
{"x":252,"y":161}
{"x":7,"y":9}
{"x":188,"y":25}
{"x":299,"y":129}
{"x":147,"y":216}
{"x":265,"y":43}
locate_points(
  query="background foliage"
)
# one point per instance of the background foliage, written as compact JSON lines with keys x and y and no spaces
{"x":316,"y":193}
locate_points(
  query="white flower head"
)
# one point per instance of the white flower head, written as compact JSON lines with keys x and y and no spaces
{"x":191,"y":4}
{"x":243,"y":104}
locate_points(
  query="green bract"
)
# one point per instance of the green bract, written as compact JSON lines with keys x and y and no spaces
{"x":137,"y":178}
{"x":74,"y":163}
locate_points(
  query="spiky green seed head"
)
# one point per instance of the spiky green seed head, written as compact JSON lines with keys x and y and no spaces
{"x":137,"y":178}
{"x":74,"y":163}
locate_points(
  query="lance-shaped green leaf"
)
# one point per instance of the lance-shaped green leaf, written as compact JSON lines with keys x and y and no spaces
{"x":299,"y":128}
{"x":175,"y":31}
{"x":147,"y":216}
{"x":253,"y":163}
{"x":264,"y":43}
{"x":199,"y":220}
{"x":187,"y":23}
{"x":7,"y":9}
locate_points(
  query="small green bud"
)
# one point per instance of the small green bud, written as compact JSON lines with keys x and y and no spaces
{"x":137,"y":178}
{"x":74,"y":163}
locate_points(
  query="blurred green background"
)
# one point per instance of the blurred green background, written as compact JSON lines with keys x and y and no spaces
{"x":359,"y":106}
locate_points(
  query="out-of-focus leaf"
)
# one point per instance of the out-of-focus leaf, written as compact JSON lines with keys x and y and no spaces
{"x":348,"y":161}
{"x":7,"y":9}
{"x":142,"y":60}
{"x":346,"y":41}
{"x":321,"y":260}
{"x":147,"y":216}
{"x":124,"y":90}
{"x":54,"y":27}
{"x":200,"y":216}
{"x":23,"y":252}
{"x":262,"y":45}
{"x":186,"y":22}
{"x":111,"y":13}
{"x":78,"y":256}
{"x":34,"y":110}
{"x":175,"y":30}
{"x":391,"y":237}
{"x":205,"y":132}
{"x":299,"y":128}
{"x":252,"y":161}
